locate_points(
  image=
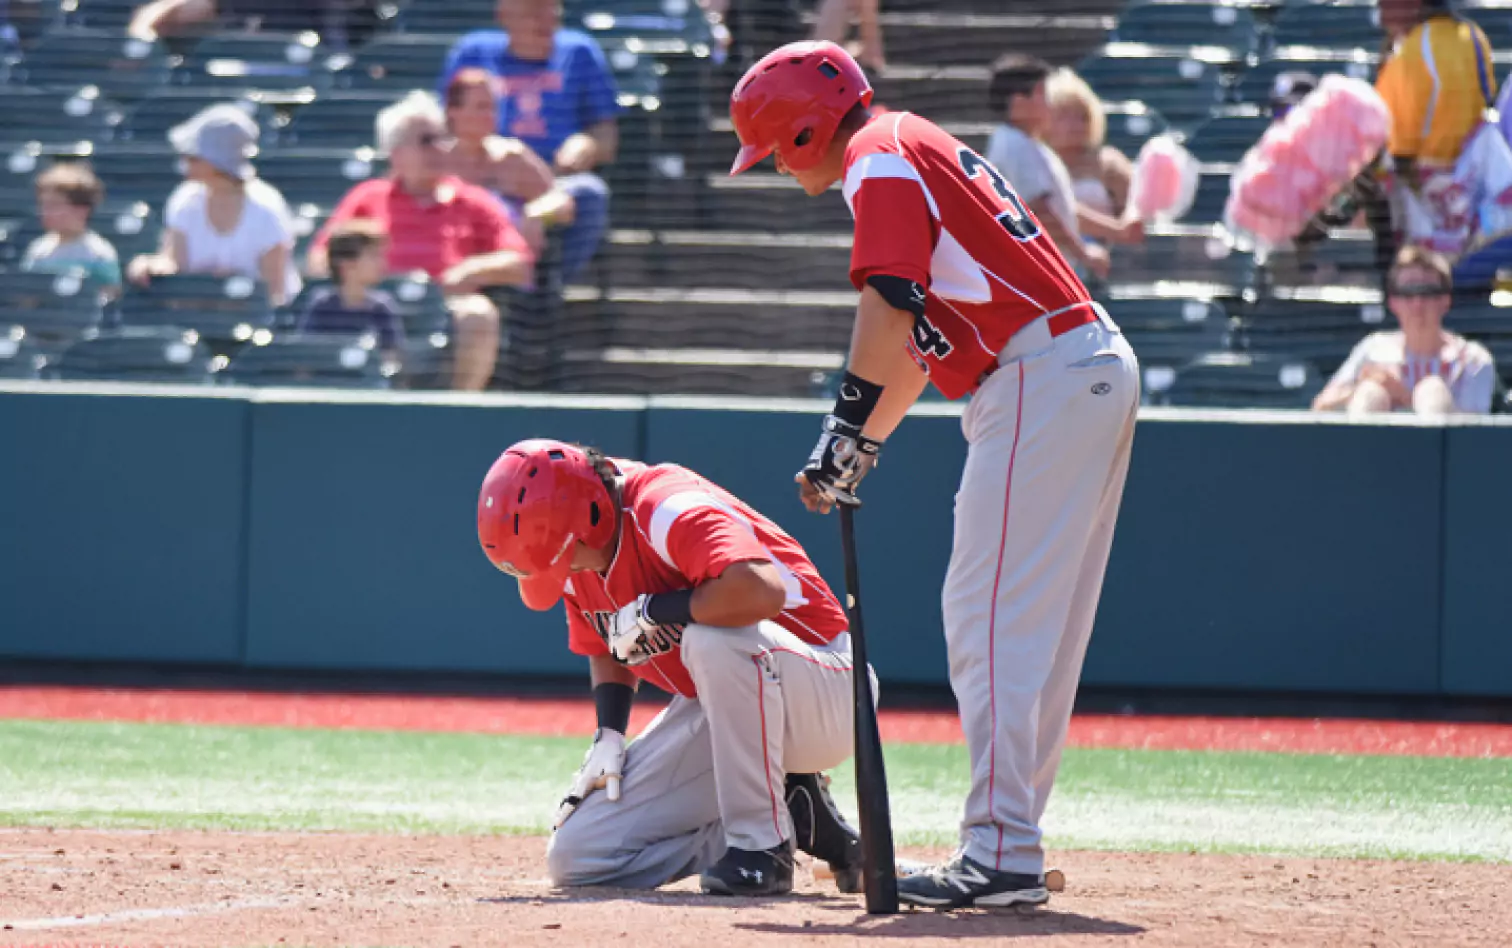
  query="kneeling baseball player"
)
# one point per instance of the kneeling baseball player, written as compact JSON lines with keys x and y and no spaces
{"x":668,"y":578}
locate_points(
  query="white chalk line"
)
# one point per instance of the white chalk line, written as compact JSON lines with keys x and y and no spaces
{"x":135,"y":915}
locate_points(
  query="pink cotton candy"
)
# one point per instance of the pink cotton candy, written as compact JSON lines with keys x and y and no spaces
{"x":1165,"y":180}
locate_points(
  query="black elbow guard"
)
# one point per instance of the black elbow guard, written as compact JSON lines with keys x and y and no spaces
{"x":899,"y":292}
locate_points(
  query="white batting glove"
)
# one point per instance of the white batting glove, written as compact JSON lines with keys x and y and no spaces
{"x":603,"y":767}
{"x":628,"y":636}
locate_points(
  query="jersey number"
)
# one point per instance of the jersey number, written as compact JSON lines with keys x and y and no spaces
{"x":928,"y":339}
{"x":1016,"y":220}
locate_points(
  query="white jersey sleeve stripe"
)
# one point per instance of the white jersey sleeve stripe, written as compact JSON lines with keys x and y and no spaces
{"x":675,"y":505}
{"x":884,"y":165}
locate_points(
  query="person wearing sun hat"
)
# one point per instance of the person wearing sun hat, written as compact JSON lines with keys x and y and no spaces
{"x":223,"y":219}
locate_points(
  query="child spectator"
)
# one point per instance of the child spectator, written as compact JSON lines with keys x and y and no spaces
{"x":67,"y":194}
{"x":1420,"y":368}
{"x":357,"y":251}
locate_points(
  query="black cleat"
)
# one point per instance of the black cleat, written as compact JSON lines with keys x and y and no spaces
{"x":821,"y":831}
{"x":964,"y":882}
{"x":744,"y":872}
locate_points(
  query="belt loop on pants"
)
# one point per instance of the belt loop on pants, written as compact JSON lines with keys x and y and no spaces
{"x":1037,"y":336}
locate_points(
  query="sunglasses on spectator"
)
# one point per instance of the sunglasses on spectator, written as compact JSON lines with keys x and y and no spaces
{"x":1418,"y":290}
{"x":432,"y":139}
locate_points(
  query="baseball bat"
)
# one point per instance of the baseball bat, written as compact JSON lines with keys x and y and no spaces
{"x":879,"y":870}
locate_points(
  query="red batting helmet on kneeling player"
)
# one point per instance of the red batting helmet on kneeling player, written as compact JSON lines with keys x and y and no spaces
{"x":540,"y":498}
{"x":792,"y":101}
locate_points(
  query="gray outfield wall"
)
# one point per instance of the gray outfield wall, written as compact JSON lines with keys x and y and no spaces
{"x":298,"y":530}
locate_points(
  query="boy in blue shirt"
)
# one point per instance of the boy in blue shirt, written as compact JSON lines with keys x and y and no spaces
{"x":557,"y":95}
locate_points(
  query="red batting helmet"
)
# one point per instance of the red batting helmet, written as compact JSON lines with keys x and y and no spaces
{"x":537,"y":500}
{"x":793,"y":101}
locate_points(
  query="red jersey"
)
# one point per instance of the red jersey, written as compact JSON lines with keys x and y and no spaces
{"x":931,"y":210}
{"x":680,"y":530}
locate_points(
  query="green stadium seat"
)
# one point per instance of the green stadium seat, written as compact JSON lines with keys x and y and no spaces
{"x":147,"y":124}
{"x":1131,"y":124}
{"x":1212,"y":195}
{"x":660,"y":27}
{"x":396,"y":63}
{"x":218,"y":308}
{"x":311,"y":360}
{"x":1346,"y":258}
{"x":1255,"y":84}
{"x":447,"y":18}
{"x":31,"y":19}
{"x":138,"y":173}
{"x":1188,"y":23}
{"x":262,"y":61}
{"x":1198,"y":257}
{"x":1320,"y":325}
{"x":1167,"y":332}
{"x":53,"y":116}
{"x":137,"y":354}
{"x":318,"y":176}
{"x":1244,"y":380}
{"x":1495,"y":20}
{"x":1227,"y":135}
{"x":20,"y":356}
{"x":52,"y":306}
{"x":102,"y":14}
{"x":121,"y":67}
{"x":1340,"y":25}
{"x":1180,"y":86}
{"x":336,"y":120}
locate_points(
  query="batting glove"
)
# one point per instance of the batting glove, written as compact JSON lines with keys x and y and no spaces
{"x":628,"y":637}
{"x":841,"y":458}
{"x":602,"y":768}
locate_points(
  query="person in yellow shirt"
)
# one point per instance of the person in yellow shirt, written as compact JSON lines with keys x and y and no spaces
{"x":1436,"y":80}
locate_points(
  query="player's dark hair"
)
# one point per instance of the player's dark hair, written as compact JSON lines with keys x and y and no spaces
{"x":608,"y":475}
{"x":858,"y":116}
{"x":74,"y":181}
{"x":1013,"y":75}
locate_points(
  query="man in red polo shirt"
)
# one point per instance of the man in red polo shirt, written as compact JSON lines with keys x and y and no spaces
{"x":456,"y":232}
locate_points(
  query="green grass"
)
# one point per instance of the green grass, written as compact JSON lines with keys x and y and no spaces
{"x":179,"y":776}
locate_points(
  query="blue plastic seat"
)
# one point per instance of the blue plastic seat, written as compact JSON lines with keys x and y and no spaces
{"x":20,"y":356}
{"x":137,"y":354}
{"x":262,"y":61}
{"x":1245,"y":380}
{"x":1227,"y":135}
{"x":311,"y":360}
{"x":53,"y":116}
{"x":52,"y":306}
{"x":1189,"y":23}
{"x":1342,"y":25}
{"x":217,"y":308}
{"x":121,"y":67}
{"x":1182,"y":88}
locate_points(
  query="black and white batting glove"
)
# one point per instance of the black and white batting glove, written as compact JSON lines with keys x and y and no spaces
{"x":603,"y":767}
{"x":629,"y":635}
{"x":841,"y":458}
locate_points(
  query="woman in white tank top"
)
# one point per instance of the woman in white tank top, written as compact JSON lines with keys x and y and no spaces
{"x":1100,"y":174}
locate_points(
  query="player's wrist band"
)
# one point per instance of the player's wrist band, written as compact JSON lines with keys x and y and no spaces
{"x":670,"y":608}
{"x":612,"y":700}
{"x":856,"y":400}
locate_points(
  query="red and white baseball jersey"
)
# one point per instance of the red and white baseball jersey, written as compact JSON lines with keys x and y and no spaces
{"x":679,"y":531}
{"x":931,"y":210}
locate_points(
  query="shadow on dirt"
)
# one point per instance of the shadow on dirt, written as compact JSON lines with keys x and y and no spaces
{"x":971,"y":924}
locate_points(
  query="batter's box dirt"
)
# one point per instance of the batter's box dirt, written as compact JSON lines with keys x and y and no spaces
{"x":77,"y":887}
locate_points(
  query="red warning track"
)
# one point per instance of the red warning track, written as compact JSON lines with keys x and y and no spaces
{"x":540,"y":716}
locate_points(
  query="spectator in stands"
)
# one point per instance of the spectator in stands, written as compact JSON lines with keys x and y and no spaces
{"x":1421,"y":367}
{"x":1078,"y":130}
{"x":67,"y":194}
{"x":223,"y":219}
{"x":506,"y":166}
{"x":1016,"y":95}
{"x":456,"y":232}
{"x":556,"y":94}
{"x":1437,"y":78}
{"x":357,"y":254}
{"x":342,"y":24}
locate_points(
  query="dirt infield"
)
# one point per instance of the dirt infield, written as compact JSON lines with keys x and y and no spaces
{"x":201,"y":889}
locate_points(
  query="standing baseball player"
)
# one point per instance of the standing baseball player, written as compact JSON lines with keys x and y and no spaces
{"x":668,"y":578}
{"x":960,"y":286}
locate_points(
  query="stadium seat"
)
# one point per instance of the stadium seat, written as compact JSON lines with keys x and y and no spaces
{"x":1179,"y":255}
{"x":661,"y":27}
{"x":121,"y":67}
{"x":1131,"y":124}
{"x":395,"y":64}
{"x":1488,"y":324}
{"x":1244,"y":380}
{"x":137,"y":354}
{"x":51,"y":116}
{"x":133,"y":173}
{"x":1167,"y":332}
{"x":147,"y":124}
{"x":1321,"y":326}
{"x":31,"y":19}
{"x":336,"y":120}
{"x":316,"y":360}
{"x":1255,"y":84}
{"x":262,"y":61}
{"x":1182,"y":88}
{"x":20,"y":356}
{"x":318,"y":176}
{"x":53,"y":306}
{"x":102,"y":14}
{"x":1227,"y":135}
{"x":1346,"y":258}
{"x":1188,"y":23}
{"x":218,"y":308}
{"x":1341,"y":25}
{"x":449,"y":18}
{"x":1495,"y":20}
{"x":1212,"y":195}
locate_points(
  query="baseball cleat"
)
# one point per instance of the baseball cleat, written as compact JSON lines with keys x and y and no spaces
{"x":750,"y":873}
{"x":821,"y":831}
{"x":964,"y":882}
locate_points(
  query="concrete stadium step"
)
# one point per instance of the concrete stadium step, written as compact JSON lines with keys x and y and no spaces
{"x":726,"y":318}
{"x":684,"y":371}
{"x":936,"y":37}
{"x":736,"y":259}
